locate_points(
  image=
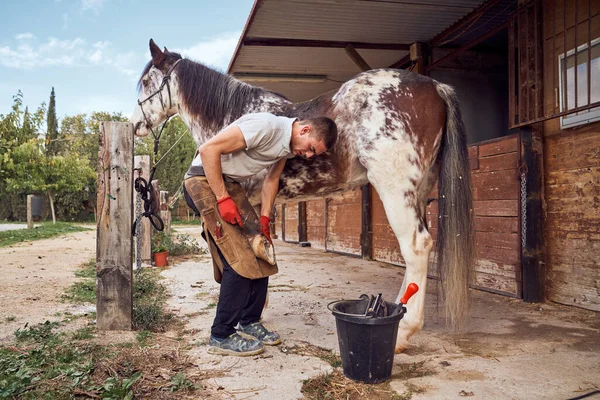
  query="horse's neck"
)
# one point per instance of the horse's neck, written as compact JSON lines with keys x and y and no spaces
{"x":268,"y":102}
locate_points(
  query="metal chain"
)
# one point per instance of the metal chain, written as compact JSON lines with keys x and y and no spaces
{"x":523,"y":210}
{"x":138,"y":233}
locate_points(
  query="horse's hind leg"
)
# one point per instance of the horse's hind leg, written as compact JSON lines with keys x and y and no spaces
{"x":404,"y":208}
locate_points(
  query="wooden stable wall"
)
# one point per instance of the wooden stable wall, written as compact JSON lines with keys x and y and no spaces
{"x":344,"y":223}
{"x":571,"y":173}
{"x":316,"y":223}
{"x":290,"y":213}
{"x":496,"y":191}
{"x":496,"y":195}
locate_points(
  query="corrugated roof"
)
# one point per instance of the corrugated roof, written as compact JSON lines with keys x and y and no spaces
{"x":315,"y":32}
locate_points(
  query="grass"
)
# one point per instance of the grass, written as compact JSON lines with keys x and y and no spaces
{"x":45,"y":231}
{"x":335,"y":386}
{"x":149,"y":300}
{"x":83,"y":291}
{"x":45,"y":363}
{"x":149,"y":297}
{"x":185,"y":222}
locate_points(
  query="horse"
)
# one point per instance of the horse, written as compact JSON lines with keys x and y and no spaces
{"x":397,"y":130}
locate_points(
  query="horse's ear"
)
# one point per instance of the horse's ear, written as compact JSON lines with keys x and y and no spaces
{"x":165,"y":49}
{"x":157,"y":55}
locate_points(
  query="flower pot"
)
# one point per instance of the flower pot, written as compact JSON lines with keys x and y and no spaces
{"x":161,"y":259}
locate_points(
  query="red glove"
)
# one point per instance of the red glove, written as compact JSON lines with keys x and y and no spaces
{"x":264,"y":227}
{"x":229,"y":211}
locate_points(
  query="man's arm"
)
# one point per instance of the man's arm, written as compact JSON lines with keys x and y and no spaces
{"x":227,"y":141}
{"x":270,"y":187}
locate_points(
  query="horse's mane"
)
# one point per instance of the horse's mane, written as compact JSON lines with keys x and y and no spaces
{"x":210,"y":95}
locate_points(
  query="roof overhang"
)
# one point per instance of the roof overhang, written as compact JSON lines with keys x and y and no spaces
{"x":302,"y":48}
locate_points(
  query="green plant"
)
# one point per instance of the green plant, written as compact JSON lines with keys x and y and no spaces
{"x":117,"y":389}
{"x":185,"y":244}
{"x":180,"y":382}
{"x":161,"y":241}
{"x":149,"y":299}
{"x":143,"y":337}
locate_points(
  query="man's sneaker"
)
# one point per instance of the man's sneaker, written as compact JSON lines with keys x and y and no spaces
{"x":235,"y":345}
{"x":259,"y":331}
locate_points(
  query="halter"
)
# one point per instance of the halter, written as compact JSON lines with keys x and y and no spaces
{"x":164,"y":82}
{"x":141,"y":185}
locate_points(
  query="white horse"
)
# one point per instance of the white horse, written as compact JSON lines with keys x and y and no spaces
{"x":397,"y":130}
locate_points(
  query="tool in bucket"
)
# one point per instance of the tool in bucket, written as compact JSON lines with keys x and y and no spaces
{"x":410,"y":291}
{"x":377,"y":307}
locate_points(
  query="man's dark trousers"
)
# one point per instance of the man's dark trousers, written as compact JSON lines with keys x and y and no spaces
{"x":240,"y":300}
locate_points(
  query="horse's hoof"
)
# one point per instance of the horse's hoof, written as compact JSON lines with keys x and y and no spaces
{"x":263,"y":249}
{"x":400,"y":349}
{"x":401,"y":346}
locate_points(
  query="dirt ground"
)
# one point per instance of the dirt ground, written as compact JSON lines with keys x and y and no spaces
{"x":509,"y":350}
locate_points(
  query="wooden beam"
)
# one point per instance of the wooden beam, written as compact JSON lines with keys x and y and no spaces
{"x":114,"y":302}
{"x":357,"y":58}
{"x":533,"y":252}
{"x":366,"y":235}
{"x":277,"y":42}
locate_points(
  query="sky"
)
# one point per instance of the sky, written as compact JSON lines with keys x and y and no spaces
{"x":93,"y":51}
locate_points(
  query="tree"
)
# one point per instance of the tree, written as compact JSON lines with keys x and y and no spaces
{"x":80,"y":134}
{"x":31,"y":170}
{"x":52,"y":143}
{"x":16,"y":128}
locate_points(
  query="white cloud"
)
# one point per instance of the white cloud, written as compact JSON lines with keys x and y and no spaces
{"x":108,"y":103}
{"x":93,"y":5}
{"x":216,"y":52}
{"x":32,"y":54}
{"x":25,"y":36}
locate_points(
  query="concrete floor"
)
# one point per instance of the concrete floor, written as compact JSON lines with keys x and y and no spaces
{"x":508,"y":350}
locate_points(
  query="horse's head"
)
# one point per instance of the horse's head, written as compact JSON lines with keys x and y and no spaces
{"x":158,"y":92}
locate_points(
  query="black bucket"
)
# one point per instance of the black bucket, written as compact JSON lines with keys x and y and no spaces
{"x":366,"y":343}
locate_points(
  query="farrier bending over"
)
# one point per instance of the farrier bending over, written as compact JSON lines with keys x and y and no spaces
{"x":241,"y":150}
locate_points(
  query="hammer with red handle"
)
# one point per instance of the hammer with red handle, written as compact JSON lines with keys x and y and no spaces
{"x":410,"y":290}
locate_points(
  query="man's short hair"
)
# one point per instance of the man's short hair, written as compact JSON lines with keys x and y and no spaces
{"x":324,"y":129}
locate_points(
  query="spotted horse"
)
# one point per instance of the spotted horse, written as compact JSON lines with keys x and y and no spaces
{"x":397,"y":130}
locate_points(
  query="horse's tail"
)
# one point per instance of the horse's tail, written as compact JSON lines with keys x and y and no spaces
{"x":455,"y":246}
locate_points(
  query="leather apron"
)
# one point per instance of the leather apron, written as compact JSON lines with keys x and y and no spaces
{"x":233,"y":241}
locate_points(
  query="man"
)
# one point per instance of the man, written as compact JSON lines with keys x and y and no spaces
{"x":241,"y":150}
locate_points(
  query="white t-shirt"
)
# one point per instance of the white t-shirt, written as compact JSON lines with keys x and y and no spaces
{"x":267,"y":141}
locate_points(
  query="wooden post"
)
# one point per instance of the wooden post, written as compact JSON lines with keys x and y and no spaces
{"x":417,"y":55}
{"x":165,"y":213}
{"x":532,"y":220}
{"x":283,"y":222}
{"x":143,"y":163}
{"x":114,"y":302}
{"x":302,"y":229}
{"x":29,"y":212}
{"x":366,"y":235}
